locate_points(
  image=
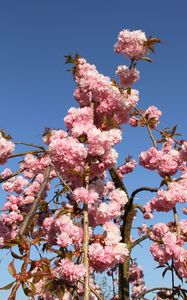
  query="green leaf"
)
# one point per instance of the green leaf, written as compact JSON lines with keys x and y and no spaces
{"x":8,"y":286}
{"x":11,"y":268}
{"x":148,"y":59}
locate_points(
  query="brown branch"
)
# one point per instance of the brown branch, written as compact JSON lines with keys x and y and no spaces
{"x":100,"y":297}
{"x":138,"y":241}
{"x":35,"y":203}
{"x":117,"y":180}
{"x":152,"y":290}
{"x":29,"y":145}
{"x":141,"y":208}
{"x":14,"y":290}
{"x":141,"y":189}
{"x":12,"y":175}
{"x":25,"y":153}
{"x":148,"y":127}
{"x":126,"y":227}
{"x":176,"y":221}
{"x":86,"y":237}
{"x":61,"y":179}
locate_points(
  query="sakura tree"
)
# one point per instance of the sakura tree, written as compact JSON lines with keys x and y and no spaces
{"x":68,"y":197}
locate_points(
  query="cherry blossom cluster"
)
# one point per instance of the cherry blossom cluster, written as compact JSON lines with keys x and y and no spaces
{"x":166,"y":161}
{"x":111,"y":252}
{"x":131,"y":44}
{"x":137,"y":280}
{"x":169,"y":244}
{"x":6,"y":148}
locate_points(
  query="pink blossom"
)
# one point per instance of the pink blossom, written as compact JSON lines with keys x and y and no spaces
{"x":68,"y":271}
{"x":34,"y":165}
{"x":85,"y":196}
{"x":131,"y":44}
{"x":5,"y":173}
{"x":118,"y":196}
{"x":63,"y":231}
{"x":102,"y":258}
{"x":79,"y":120}
{"x":158,"y":231}
{"x":6,"y":148}
{"x":12,"y":217}
{"x":126,"y":168}
{"x":150,"y":158}
{"x":69,"y":157}
{"x":166,"y":161}
{"x":152,"y":115}
{"x":15,"y":185}
{"x":127,"y":76}
{"x":101,"y":141}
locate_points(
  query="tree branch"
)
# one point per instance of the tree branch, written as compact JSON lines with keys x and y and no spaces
{"x":86,"y":237}
{"x":25,"y":153}
{"x":12,"y":175}
{"x":29,"y":145}
{"x":141,"y":189}
{"x":148,"y":127}
{"x":138,"y":241}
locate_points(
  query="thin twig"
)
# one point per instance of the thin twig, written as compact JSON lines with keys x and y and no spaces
{"x":61,"y":179}
{"x":29,"y":145}
{"x":148,"y":127}
{"x":100,"y":297}
{"x":25,"y":153}
{"x":12,"y":175}
{"x":152,"y":290}
{"x":14,"y":290}
{"x":138,"y":241}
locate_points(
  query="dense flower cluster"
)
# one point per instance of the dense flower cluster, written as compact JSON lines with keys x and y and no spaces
{"x":111,"y":253}
{"x":68,"y":271}
{"x":166,"y":162}
{"x":126,"y":168}
{"x":131,"y":44}
{"x":168,"y":245}
{"x":110,"y":102}
{"x":127,"y":76}
{"x":6,"y":148}
{"x":136,"y":279}
{"x":62,"y":231}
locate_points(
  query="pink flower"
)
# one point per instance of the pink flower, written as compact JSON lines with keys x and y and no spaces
{"x":69,"y":157}
{"x":79,"y":120}
{"x":68,"y":271}
{"x":126,"y":168}
{"x":5,"y":173}
{"x":118,"y":196}
{"x":15,"y":185}
{"x":85,"y":196}
{"x":127,"y":76}
{"x":152,"y":115}
{"x":150,"y":158}
{"x":6,"y":148}
{"x":131,"y":44}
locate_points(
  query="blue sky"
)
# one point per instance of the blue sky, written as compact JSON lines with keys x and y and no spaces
{"x":35,"y":89}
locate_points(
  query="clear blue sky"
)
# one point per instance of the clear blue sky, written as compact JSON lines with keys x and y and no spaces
{"x":36,"y":90}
